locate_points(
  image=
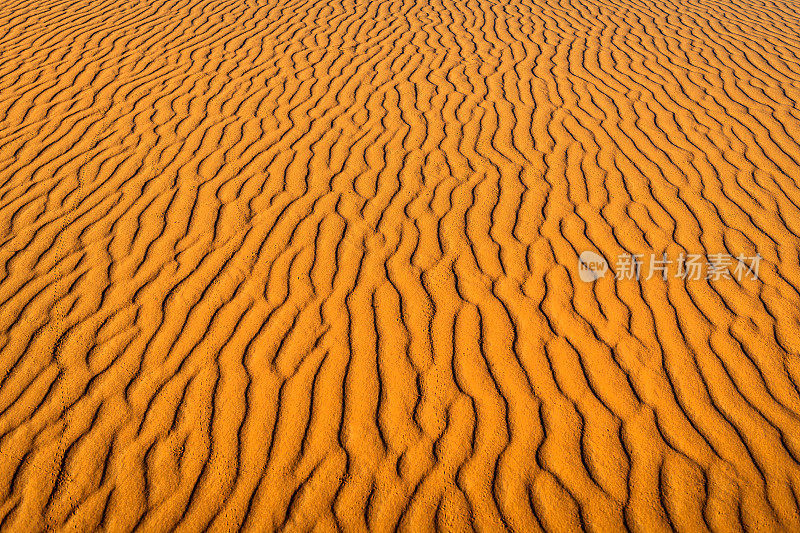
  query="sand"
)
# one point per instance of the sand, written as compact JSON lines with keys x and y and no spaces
{"x":308,"y":264}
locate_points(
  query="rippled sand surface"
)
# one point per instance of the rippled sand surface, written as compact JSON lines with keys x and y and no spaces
{"x":308,"y":264}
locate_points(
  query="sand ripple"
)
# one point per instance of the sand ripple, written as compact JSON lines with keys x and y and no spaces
{"x":295,"y":264}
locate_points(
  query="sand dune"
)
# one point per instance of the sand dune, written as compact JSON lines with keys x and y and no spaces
{"x":314,"y":265}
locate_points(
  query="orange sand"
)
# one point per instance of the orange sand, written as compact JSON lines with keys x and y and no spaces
{"x":313,"y":264}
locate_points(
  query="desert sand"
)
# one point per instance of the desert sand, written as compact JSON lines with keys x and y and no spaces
{"x":304,"y":264}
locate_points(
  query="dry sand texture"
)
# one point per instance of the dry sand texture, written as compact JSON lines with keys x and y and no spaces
{"x":313,"y":263}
